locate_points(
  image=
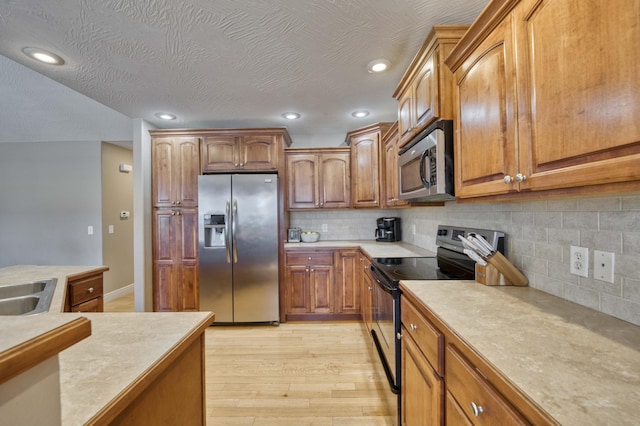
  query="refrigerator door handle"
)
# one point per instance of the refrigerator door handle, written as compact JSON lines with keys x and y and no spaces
{"x":233,"y":231}
{"x":226,"y":233}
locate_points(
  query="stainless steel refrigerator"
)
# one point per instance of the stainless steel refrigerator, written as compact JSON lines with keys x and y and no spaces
{"x":238,"y":247}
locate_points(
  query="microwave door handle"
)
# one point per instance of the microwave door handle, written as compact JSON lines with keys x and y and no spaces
{"x":423,"y":178}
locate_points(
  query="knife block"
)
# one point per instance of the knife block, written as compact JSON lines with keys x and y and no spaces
{"x":489,"y":275}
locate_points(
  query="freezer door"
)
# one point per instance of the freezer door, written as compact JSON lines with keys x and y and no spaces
{"x":255,"y":232}
{"x":215,"y":267}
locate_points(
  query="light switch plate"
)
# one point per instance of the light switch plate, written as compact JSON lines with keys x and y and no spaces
{"x":603,"y":265}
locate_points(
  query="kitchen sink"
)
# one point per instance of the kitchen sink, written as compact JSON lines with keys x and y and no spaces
{"x":27,"y":298}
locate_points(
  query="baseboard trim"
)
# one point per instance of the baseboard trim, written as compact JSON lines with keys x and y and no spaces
{"x":118,"y":293}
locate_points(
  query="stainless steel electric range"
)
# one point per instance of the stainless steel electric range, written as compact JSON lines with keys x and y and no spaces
{"x":450,"y":263}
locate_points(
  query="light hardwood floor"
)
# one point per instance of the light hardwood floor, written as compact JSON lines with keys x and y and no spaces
{"x":294,"y":374}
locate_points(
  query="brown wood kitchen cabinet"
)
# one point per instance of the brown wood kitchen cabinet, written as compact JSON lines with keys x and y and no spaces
{"x":444,"y":381}
{"x":174,"y":171}
{"x":348,"y":281}
{"x":318,"y":178}
{"x":562,"y":115}
{"x":391,"y":142}
{"x":309,"y":283}
{"x":234,"y":150}
{"x":366,"y":292}
{"x":425,"y":92}
{"x":175,"y":260}
{"x":84,"y":292}
{"x":366,"y":167}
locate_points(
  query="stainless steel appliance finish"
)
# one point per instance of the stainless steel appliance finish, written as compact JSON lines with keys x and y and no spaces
{"x":450,"y":263}
{"x":425,"y":165}
{"x":238,"y":247}
{"x":388,"y":229}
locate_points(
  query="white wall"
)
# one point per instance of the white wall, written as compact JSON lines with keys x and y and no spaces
{"x":51,"y":193}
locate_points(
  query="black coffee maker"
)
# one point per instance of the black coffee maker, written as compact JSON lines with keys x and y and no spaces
{"x":388,"y":229}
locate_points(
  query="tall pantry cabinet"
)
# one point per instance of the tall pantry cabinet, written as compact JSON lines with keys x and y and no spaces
{"x":175,"y":166}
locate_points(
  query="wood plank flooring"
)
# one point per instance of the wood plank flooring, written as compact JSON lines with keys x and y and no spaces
{"x":297,"y":373}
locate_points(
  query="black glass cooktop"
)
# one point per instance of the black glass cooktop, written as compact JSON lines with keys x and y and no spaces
{"x":417,"y":268}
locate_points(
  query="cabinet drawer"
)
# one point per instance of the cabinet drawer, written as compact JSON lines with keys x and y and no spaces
{"x":83,"y":290}
{"x":428,"y":338}
{"x":309,"y":258}
{"x":92,"y":305}
{"x":474,"y":394}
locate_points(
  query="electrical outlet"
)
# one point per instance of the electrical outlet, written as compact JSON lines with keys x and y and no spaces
{"x":603,"y":265}
{"x":579,"y":261}
{"x":89,"y":230}
{"x":111,"y":229}
{"x":325,"y":227}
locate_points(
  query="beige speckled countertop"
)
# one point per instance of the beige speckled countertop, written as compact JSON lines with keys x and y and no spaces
{"x":122,"y":346}
{"x":371,"y":247}
{"x":579,"y":365}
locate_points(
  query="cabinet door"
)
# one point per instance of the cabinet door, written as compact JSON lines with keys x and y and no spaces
{"x":297,"y":296}
{"x":391,"y":188}
{"x":321,"y":283}
{"x":348,"y":282}
{"x":425,"y":92}
{"x":164,"y":261}
{"x":405,"y":114}
{"x":175,"y":171}
{"x":335,"y":188}
{"x":485,"y":142}
{"x":303,"y":181}
{"x":422,"y":390}
{"x":365,"y":151}
{"x":258,"y":153}
{"x":220,"y":153}
{"x":579,"y":66}
{"x":367,"y":293}
{"x":187,"y":256}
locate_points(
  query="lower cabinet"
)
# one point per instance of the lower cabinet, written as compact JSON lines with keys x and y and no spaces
{"x":175,"y":260}
{"x":322,"y":284}
{"x":475,"y":393}
{"x":85,"y":292}
{"x":366,"y":292}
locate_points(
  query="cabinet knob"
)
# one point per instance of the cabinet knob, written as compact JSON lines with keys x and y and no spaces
{"x":413,"y":327}
{"x":241,"y":164}
{"x":520,"y":177}
{"x":90,"y":289}
{"x":311,"y":269}
{"x":178,"y":202}
{"x":369,"y":287}
{"x":507,"y":179}
{"x":173,"y":213}
{"x":398,"y":336}
{"x":236,"y":164}
{"x":306,"y":270}
{"x":309,"y":257}
{"x":173,"y":202}
{"x":477,"y":409}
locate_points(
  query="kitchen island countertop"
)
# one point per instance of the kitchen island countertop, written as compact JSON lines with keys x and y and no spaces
{"x":579,"y":365}
{"x":99,"y":370}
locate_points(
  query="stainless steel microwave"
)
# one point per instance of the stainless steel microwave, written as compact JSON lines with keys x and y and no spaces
{"x":425,"y":165}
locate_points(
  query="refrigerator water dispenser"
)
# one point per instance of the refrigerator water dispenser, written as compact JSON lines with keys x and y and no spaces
{"x":214,"y":225}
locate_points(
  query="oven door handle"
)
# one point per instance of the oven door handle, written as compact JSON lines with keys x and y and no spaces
{"x":381,"y":280}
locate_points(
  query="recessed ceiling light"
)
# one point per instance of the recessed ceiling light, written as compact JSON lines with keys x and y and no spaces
{"x":360,"y":114}
{"x":43,"y":56}
{"x":378,"y":65}
{"x":291,"y":115}
{"x":165,"y":116}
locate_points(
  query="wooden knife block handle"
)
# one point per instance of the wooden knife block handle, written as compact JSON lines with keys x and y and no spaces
{"x":489,"y":275}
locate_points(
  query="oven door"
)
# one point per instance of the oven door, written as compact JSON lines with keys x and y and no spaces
{"x":386,"y":326}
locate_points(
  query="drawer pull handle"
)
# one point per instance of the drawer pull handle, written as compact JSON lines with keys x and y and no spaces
{"x":398,"y":336}
{"x":477,"y":409}
{"x":413,"y":327}
{"x":90,"y":289}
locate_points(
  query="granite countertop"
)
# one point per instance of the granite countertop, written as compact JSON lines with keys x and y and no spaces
{"x":121,"y":348}
{"x":371,"y":247}
{"x":579,"y":365}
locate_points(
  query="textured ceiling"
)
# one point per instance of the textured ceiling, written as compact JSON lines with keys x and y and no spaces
{"x":228,"y":63}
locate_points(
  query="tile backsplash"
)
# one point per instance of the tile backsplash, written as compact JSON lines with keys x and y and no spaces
{"x":539,"y":235}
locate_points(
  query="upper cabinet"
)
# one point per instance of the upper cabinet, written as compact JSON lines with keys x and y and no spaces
{"x":174,"y":171}
{"x":230,"y":150}
{"x":318,"y":178}
{"x":547,"y":97}
{"x":425,"y":92}
{"x":391,"y":142}
{"x":366,"y":166}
